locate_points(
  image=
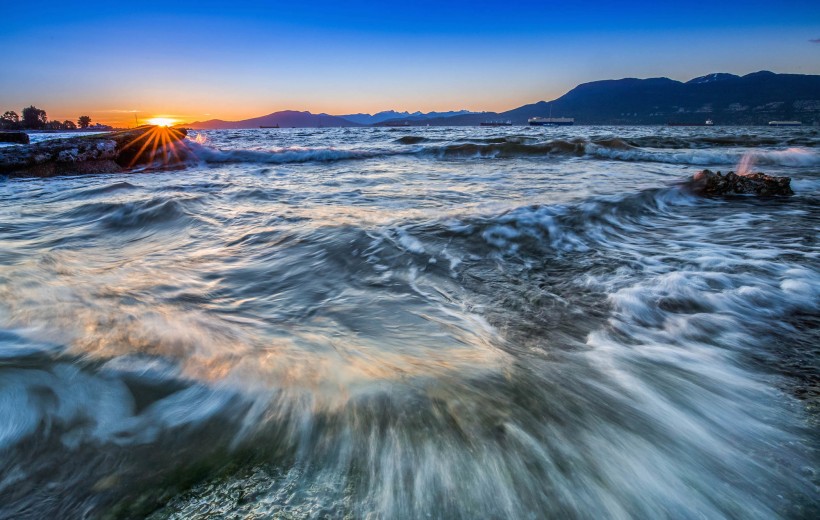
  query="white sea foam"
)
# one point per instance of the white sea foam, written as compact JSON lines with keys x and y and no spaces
{"x":805,"y":185}
{"x":85,"y":407}
{"x":709,"y":157}
{"x":409,"y":242}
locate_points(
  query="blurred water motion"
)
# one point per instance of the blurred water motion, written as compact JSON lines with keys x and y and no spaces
{"x":399,"y":323}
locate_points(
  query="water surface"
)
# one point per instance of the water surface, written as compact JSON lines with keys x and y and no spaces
{"x":402,"y":323}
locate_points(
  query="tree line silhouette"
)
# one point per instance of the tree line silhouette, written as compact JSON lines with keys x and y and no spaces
{"x":34,"y":118}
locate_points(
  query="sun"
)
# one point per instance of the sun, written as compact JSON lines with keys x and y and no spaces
{"x":161,"y":121}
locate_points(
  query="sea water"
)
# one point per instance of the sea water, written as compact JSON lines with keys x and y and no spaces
{"x":415,"y":323}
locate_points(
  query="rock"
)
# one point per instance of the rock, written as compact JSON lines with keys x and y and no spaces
{"x":146,"y":146}
{"x":152,"y":145}
{"x":709,"y":183}
{"x":14,"y":137}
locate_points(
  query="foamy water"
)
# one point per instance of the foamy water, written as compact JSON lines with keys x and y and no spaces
{"x":405,"y":323}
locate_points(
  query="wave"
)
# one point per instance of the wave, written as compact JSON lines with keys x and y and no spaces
{"x":97,"y":191}
{"x":158,"y":211}
{"x":126,"y":401}
{"x":609,"y":148}
{"x":746,"y":141}
{"x":622,"y":150}
{"x":281,"y":156}
{"x":105,"y":190}
{"x":534,"y":230}
{"x":520,"y":139}
{"x":789,"y":157}
{"x":806,"y":186}
{"x":385,"y":343}
{"x":506,"y":149}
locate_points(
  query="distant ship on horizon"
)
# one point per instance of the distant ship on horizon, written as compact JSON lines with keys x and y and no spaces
{"x":551,"y":121}
{"x":496,"y":123}
{"x":272,"y":126}
{"x":708,"y":122}
{"x":785,"y":123}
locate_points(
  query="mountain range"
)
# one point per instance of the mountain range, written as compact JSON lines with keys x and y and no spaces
{"x":726,"y":99}
{"x":284,"y":119}
{"x":292,"y":118}
{"x":389,"y":115}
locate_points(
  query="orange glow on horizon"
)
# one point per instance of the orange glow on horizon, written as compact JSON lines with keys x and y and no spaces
{"x":161,"y":121}
{"x":185,"y":112}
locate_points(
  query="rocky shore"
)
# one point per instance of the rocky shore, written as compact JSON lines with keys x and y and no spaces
{"x":709,"y":183}
{"x":146,"y":146}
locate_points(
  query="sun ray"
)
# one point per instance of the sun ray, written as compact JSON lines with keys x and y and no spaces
{"x":157,"y":139}
{"x":161,"y":140}
{"x":163,"y":134}
{"x":173,"y":146}
{"x":145,"y":135}
{"x":151,"y":138}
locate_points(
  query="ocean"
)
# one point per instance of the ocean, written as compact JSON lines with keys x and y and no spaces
{"x":395,"y":323}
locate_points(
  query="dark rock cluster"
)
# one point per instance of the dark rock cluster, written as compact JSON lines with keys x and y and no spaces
{"x":14,"y":137}
{"x":147,"y":146}
{"x":711,"y":183}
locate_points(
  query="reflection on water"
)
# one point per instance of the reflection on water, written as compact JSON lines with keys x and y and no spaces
{"x":454,"y":323}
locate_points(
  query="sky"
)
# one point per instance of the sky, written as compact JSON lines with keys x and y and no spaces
{"x":233,"y":60}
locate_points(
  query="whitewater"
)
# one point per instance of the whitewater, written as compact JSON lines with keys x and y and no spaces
{"x":427,"y":322}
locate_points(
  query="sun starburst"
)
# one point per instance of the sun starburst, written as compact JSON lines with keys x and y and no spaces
{"x":167,"y":146}
{"x":161,"y":121}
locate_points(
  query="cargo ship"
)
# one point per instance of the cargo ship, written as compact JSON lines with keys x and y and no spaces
{"x":785,"y":123}
{"x":274,"y":126}
{"x":551,"y":121}
{"x":496,"y":123}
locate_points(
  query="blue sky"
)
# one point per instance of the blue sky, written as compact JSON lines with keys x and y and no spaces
{"x":231,"y":60}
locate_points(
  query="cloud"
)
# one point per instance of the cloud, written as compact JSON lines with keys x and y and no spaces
{"x":815,"y":40}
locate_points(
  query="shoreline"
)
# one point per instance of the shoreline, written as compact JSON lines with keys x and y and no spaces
{"x":108,"y":152}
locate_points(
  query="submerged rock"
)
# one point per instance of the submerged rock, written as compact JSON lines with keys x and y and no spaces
{"x":14,"y":137}
{"x":150,"y":146}
{"x":711,"y":183}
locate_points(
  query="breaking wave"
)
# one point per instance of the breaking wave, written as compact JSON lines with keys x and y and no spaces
{"x":158,"y":212}
{"x":789,"y":157}
{"x":283,"y":155}
{"x":721,"y":141}
{"x":522,"y":146}
{"x":622,"y":150}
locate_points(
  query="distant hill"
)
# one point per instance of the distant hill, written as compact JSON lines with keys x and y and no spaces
{"x":285,"y":119}
{"x":368,"y":119}
{"x":388,"y":115}
{"x":727,"y":99}
{"x":470,"y":119}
